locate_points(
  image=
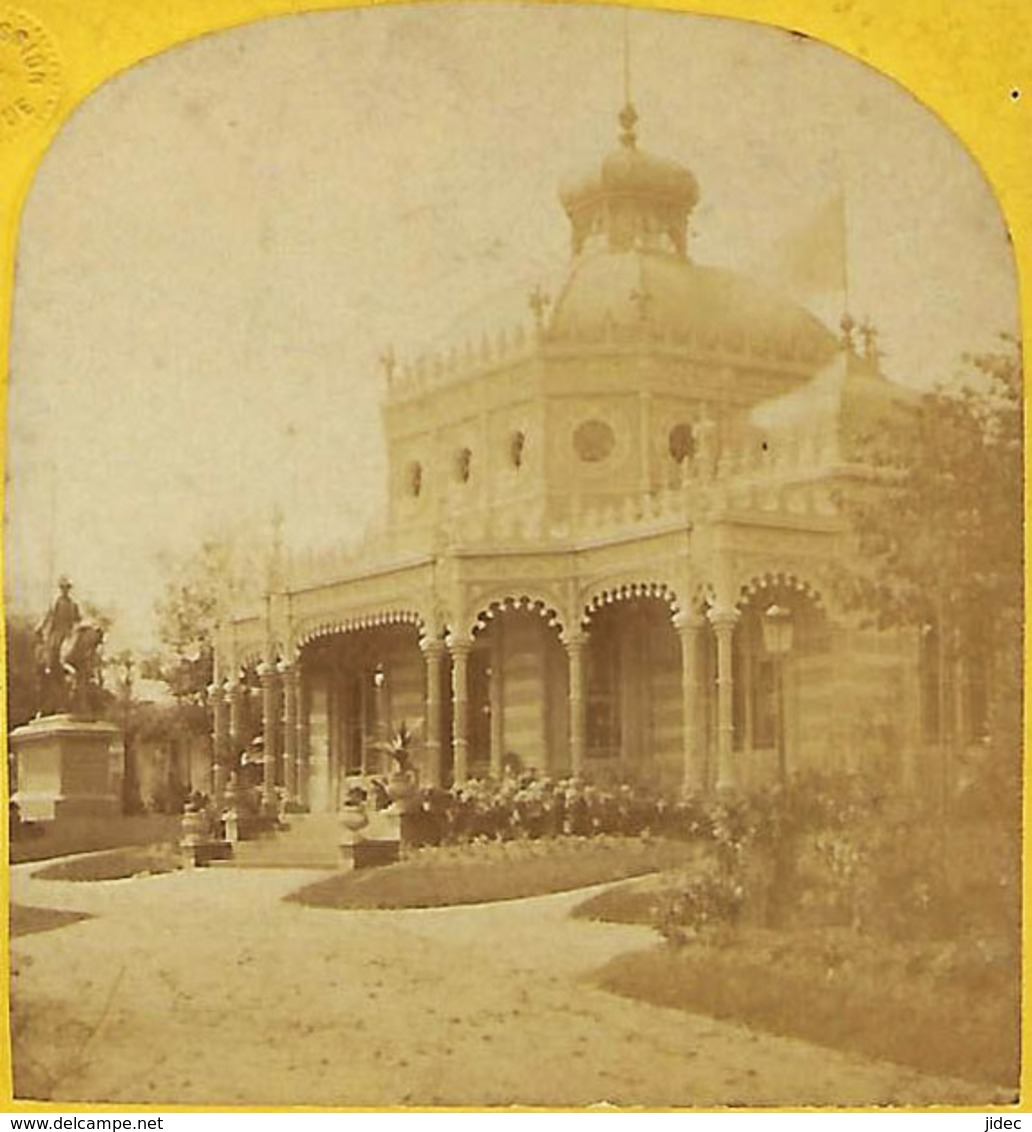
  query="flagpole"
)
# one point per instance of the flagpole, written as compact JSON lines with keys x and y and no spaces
{"x":627,"y":56}
{"x":844,"y":222}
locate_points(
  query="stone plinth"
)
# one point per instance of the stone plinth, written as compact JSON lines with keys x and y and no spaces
{"x":64,"y":770}
{"x":378,"y":843}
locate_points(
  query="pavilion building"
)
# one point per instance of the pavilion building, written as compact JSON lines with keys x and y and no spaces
{"x":610,"y":544}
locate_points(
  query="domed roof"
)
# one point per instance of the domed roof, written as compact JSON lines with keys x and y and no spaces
{"x":630,"y":281}
{"x":613,"y":296}
{"x":629,"y":170}
{"x":631,"y":199}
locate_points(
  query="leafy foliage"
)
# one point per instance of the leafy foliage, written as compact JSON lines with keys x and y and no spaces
{"x":704,"y":904}
{"x":24,"y":693}
{"x":837,"y":852}
{"x":939,"y":530}
{"x":188,"y":613}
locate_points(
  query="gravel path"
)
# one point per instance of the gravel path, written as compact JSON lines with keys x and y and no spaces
{"x":205,"y":988}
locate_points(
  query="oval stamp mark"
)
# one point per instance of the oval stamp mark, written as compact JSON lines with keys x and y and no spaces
{"x":30,"y":74}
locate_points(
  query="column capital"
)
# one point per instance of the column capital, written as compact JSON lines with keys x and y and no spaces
{"x":723,"y":618}
{"x":288,"y":669}
{"x":431,"y":647}
{"x":688,"y":621}
{"x":572,"y":642}
{"x":459,"y":644}
{"x":267,"y":672}
{"x":216,"y":691}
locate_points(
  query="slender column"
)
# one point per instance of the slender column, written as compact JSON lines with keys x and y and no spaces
{"x":219,"y":743}
{"x":460,"y":651}
{"x":433,"y":654}
{"x":961,"y":725}
{"x":575,"y":653}
{"x":288,"y":673}
{"x":497,"y":702}
{"x":237,"y":722}
{"x":910,"y":678}
{"x":723,"y":622}
{"x":688,"y":629}
{"x":270,"y":681}
{"x":304,"y":746}
{"x":645,"y":427}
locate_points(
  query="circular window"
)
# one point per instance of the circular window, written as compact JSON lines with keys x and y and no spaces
{"x":594,"y":440}
{"x":463,"y":464}
{"x":682,"y":442}
{"x":415,"y":478}
{"x":517,"y":443}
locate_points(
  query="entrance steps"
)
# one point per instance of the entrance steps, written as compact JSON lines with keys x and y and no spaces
{"x":310,"y":841}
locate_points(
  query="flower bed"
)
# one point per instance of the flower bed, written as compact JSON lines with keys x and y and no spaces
{"x":828,"y":912}
{"x":486,"y":871}
{"x":527,"y":807}
{"x":26,"y":920}
{"x":949,"y":1008}
{"x":118,"y":864}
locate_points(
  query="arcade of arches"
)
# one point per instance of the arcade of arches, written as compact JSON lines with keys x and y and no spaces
{"x":641,"y":693}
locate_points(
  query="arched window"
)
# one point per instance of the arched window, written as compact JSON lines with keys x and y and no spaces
{"x":517,"y":443}
{"x":463,"y":465}
{"x":414,"y":479}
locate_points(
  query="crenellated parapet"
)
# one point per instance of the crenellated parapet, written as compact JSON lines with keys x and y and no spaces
{"x":794,"y":483}
{"x":789,"y":348}
{"x":382,"y":547}
{"x":467,"y":358}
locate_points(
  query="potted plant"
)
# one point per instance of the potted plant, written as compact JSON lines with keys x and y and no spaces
{"x":402,"y":780}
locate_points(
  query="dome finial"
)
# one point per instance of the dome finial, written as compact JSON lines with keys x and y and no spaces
{"x":628,"y":120}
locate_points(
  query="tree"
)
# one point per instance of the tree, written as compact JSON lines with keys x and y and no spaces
{"x":188,"y":614}
{"x":24,"y":691}
{"x":938,"y":531}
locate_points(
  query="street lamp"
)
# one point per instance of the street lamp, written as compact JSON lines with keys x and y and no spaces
{"x":778,"y":631}
{"x":379,"y":680}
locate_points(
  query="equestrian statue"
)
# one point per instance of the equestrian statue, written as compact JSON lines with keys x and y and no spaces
{"x":69,"y":658}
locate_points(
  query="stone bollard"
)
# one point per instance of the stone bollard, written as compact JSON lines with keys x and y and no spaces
{"x":192,"y":834}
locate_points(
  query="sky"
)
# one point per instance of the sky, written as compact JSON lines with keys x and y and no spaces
{"x":224,"y":240}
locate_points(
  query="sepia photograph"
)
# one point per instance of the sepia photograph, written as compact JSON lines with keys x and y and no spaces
{"x":513,"y":575}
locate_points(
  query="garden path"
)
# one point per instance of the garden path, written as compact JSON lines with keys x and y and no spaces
{"x":204,"y":987}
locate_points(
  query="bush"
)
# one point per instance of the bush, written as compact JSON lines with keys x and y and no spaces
{"x":834,"y":852}
{"x":707,"y":905}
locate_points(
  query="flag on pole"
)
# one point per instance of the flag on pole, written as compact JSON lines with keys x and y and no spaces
{"x":811,"y":261}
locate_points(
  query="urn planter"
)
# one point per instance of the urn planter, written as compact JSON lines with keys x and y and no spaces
{"x":403,"y":791}
{"x":354,"y":818}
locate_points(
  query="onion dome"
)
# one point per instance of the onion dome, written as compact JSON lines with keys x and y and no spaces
{"x":632,"y":200}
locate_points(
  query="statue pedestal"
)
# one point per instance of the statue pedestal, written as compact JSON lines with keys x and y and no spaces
{"x":64,"y":768}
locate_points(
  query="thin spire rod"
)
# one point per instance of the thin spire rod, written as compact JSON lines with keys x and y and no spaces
{"x":627,"y":56}
{"x":628,"y":117}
